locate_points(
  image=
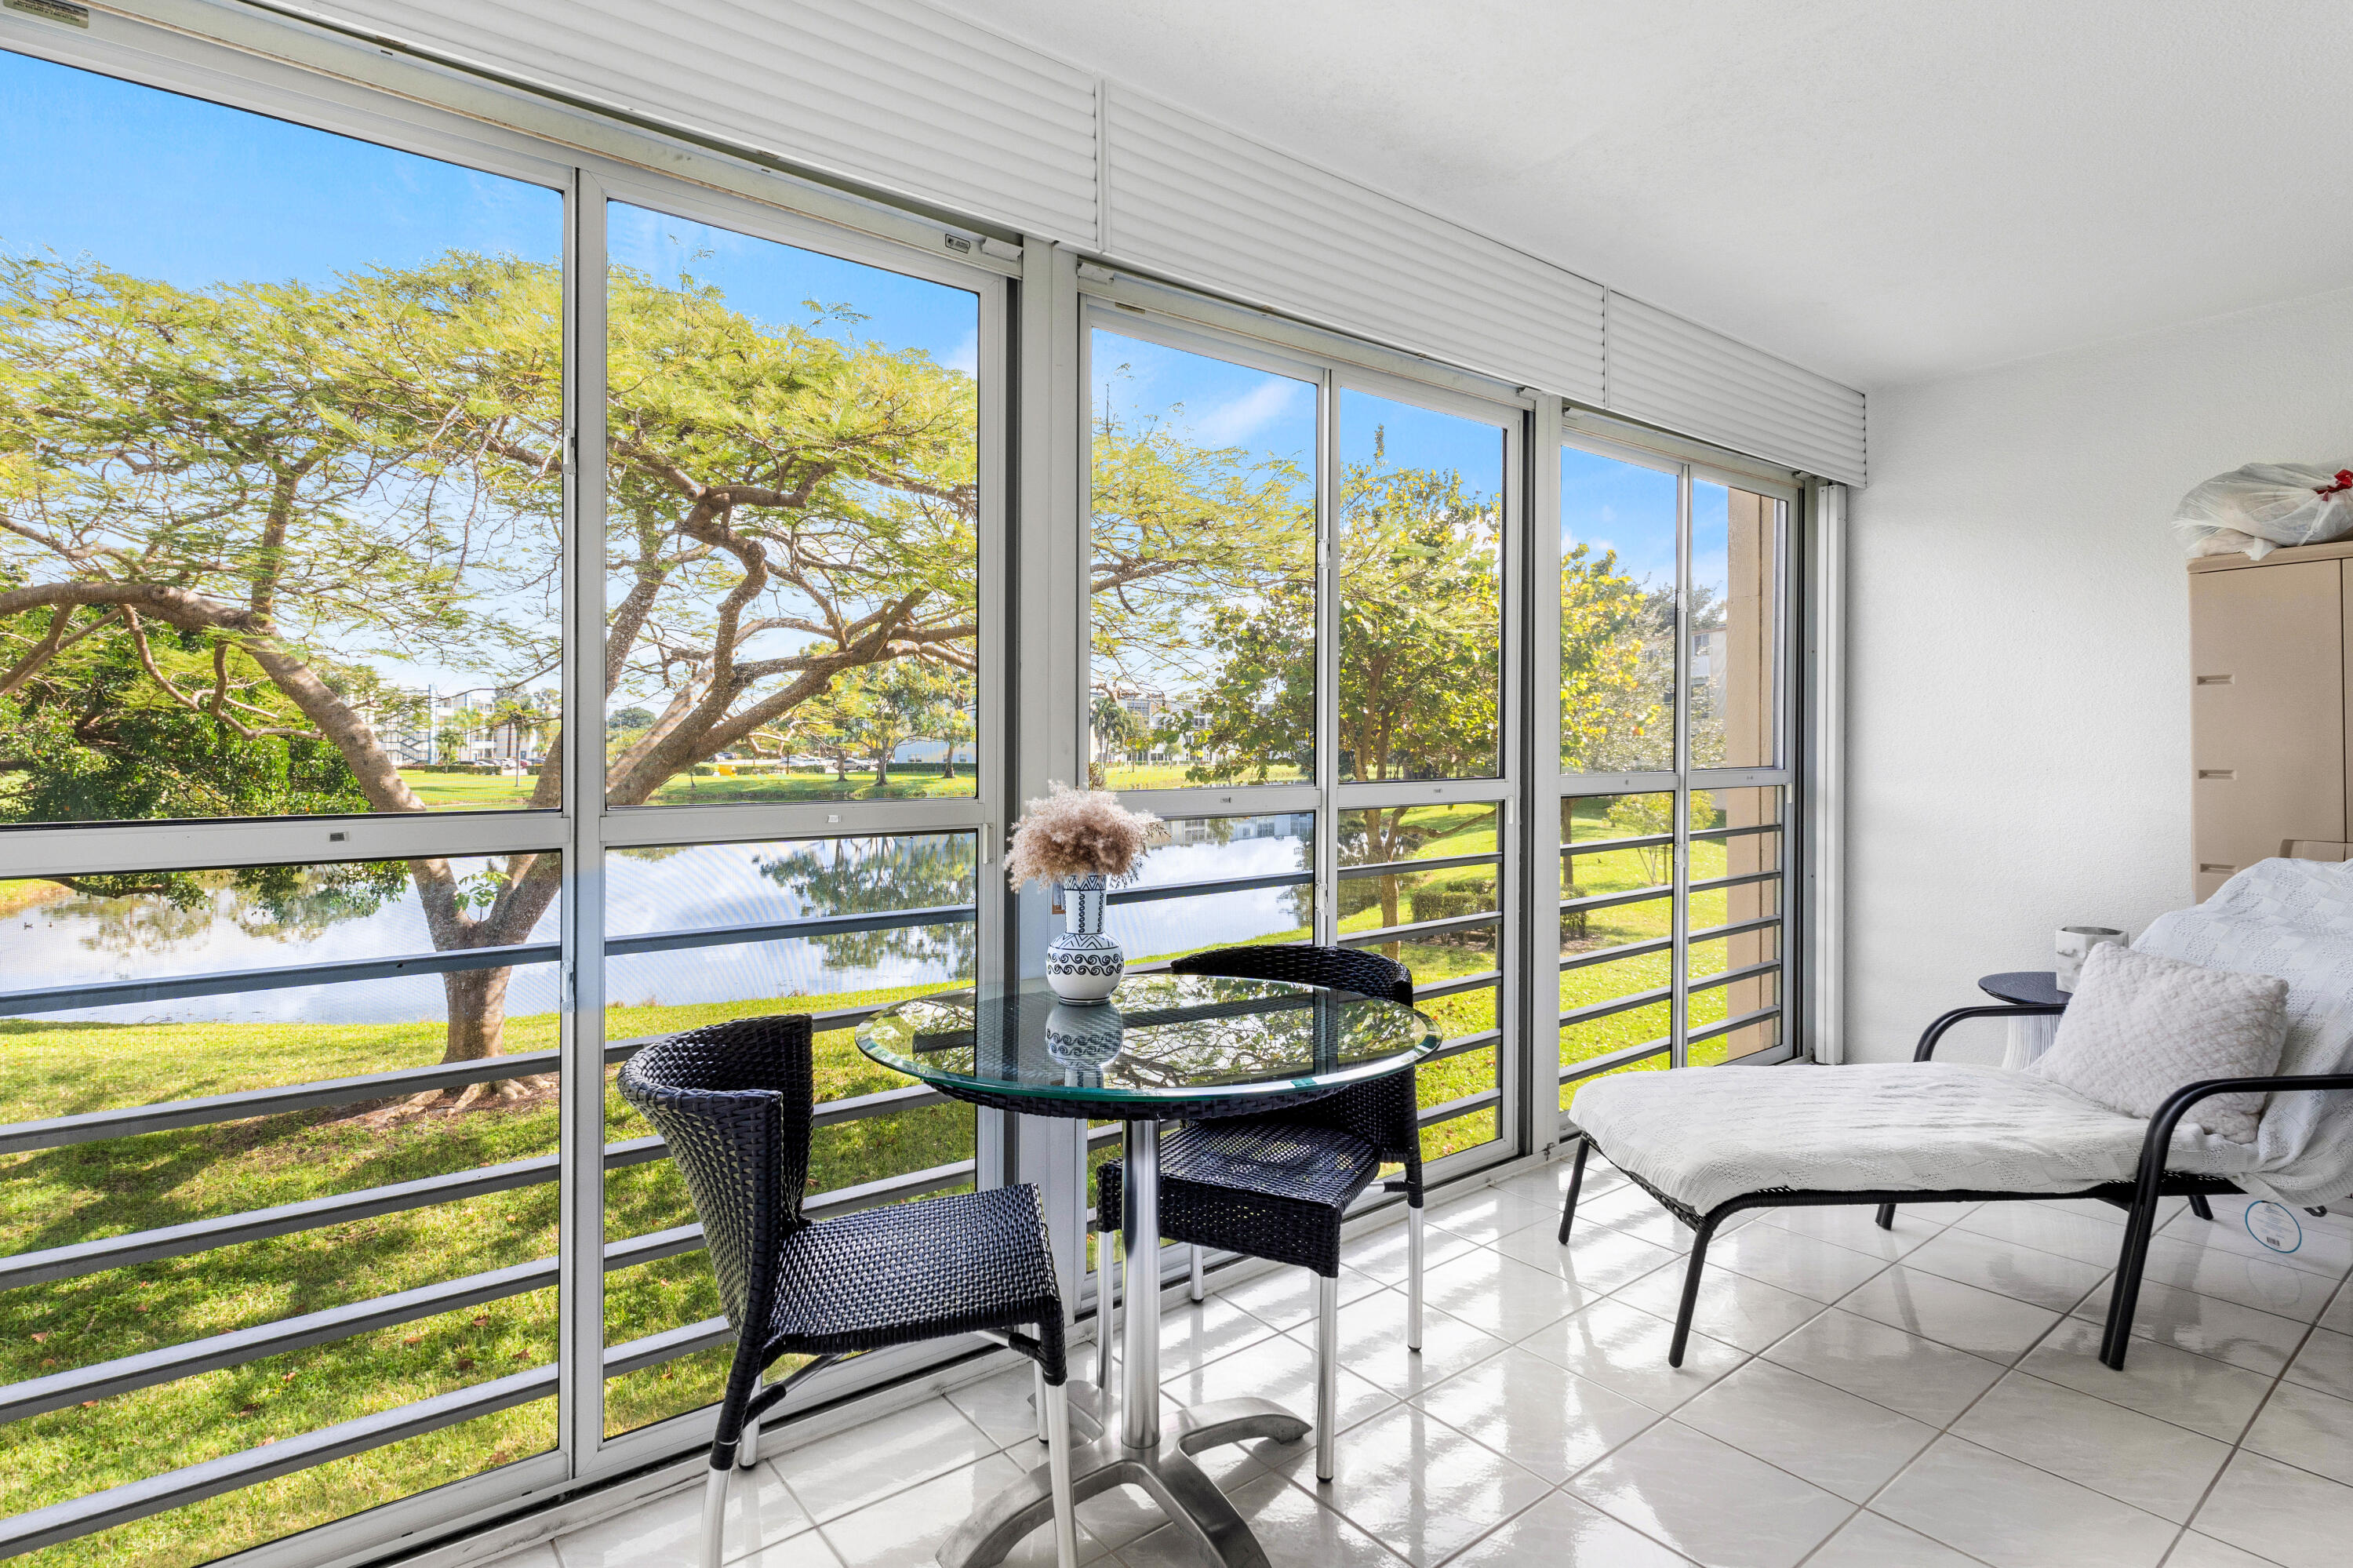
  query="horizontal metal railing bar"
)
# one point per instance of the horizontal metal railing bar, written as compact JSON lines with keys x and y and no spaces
{"x":1599,"y":846}
{"x":776,"y":930}
{"x":1482,"y":980}
{"x":1622,"y":950}
{"x":1612,"y":900}
{"x":1400,"y":867}
{"x":1195,"y":889}
{"x":1617,"y":1004}
{"x":102,"y":1380}
{"x":1733,"y":977}
{"x":1715,"y":883}
{"x":1594,"y":1066}
{"x":57,"y":1132}
{"x":636,"y":1355}
{"x":1738,"y":927}
{"x":1735,"y":832}
{"x":176,"y":1489}
{"x":167,"y":988}
{"x":1728,"y":1025}
{"x":1419,"y":929}
{"x":1455,"y":1109}
{"x":258,"y":1224}
{"x":653,"y":1246}
{"x":1463,"y":1046}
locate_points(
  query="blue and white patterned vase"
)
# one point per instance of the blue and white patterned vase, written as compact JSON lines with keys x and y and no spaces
{"x":1083,"y":965}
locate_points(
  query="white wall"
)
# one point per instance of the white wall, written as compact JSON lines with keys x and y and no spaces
{"x":2019,"y":717}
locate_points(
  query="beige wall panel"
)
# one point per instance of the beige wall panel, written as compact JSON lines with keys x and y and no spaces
{"x":2267,"y":650}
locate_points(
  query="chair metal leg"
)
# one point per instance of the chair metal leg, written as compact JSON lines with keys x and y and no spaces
{"x":1886,"y":1218}
{"x":1038,"y":1402}
{"x":1576,"y":1184}
{"x":1106,"y":1324}
{"x":1196,"y":1291}
{"x":1414,"y":1242}
{"x":713,"y":1550}
{"x":1327,"y":1370}
{"x":747,"y":1447}
{"x":1691,"y":1291}
{"x":2199,"y":1206}
{"x":2124,"y":1290}
{"x":1054,"y":1403}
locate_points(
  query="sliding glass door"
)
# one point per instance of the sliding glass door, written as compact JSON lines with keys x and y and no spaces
{"x":1673,"y":782}
{"x":1298,"y":615}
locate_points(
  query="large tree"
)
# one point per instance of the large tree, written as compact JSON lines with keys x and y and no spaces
{"x":249,"y":491}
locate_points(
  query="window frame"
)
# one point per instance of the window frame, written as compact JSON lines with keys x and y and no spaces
{"x":761,"y":205}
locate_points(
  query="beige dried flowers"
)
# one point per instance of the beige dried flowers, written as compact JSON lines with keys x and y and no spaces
{"x":1079,"y":833}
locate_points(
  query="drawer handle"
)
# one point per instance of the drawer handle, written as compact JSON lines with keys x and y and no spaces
{"x":2203,"y":866}
{"x":2217,"y":773}
{"x":2214,"y":680}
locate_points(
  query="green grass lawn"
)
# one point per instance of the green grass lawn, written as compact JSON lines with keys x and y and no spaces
{"x":54,"y":1197}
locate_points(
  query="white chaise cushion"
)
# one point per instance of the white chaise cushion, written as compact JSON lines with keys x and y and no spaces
{"x":2139,"y":1026}
{"x":1703,"y":1135}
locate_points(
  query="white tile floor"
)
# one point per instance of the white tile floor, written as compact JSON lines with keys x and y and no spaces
{"x":1853,"y":1398}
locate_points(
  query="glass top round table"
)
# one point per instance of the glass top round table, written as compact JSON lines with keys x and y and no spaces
{"x":1165,"y":1047}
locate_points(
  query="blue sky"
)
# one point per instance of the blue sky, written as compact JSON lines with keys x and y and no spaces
{"x":194,"y":194}
{"x":1213,"y":401}
{"x":1622,"y":506}
{"x":1412,"y":437}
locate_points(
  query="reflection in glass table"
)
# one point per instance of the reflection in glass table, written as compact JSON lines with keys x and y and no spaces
{"x":1166,"y":1047}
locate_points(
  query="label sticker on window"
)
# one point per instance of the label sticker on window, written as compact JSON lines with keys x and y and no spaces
{"x":2275,"y":1225}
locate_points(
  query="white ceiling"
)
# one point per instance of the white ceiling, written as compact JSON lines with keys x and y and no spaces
{"x":1883,"y":193}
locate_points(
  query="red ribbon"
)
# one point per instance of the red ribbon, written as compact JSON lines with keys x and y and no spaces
{"x":2343,"y":482}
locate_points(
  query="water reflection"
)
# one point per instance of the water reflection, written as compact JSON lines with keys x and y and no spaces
{"x":52,"y":937}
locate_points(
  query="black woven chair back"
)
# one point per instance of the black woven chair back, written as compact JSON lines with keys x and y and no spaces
{"x":733,"y":1101}
{"x":1380,"y":1112}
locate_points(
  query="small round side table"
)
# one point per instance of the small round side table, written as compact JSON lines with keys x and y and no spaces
{"x":2031,"y":1001}
{"x":2030,"y":1033}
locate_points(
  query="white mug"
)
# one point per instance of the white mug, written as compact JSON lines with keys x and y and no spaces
{"x":2075,"y":944}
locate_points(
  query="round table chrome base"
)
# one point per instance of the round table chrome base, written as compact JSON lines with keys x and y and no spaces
{"x":1182,"y":1488}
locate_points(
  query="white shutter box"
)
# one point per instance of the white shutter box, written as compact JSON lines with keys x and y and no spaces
{"x":1200,"y":205}
{"x":891,"y":94}
{"x":1676,"y":373}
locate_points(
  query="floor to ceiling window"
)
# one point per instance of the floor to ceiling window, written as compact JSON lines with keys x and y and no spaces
{"x":467,"y":609}
{"x":1296,"y":609}
{"x":284,"y":515}
{"x":1673,"y":587}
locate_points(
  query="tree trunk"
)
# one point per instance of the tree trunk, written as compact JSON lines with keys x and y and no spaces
{"x":478,"y":1013}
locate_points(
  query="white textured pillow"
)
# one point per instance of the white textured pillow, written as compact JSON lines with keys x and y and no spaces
{"x":2139,"y":1027}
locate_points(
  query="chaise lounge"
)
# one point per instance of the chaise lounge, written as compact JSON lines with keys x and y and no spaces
{"x":1710,"y":1145}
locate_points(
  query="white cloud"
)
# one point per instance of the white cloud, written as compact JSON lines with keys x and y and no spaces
{"x":1228,"y":424}
{"x":966,"y":355}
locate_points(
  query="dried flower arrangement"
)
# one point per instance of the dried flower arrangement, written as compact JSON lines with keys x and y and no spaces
{"x":1079,"y":833}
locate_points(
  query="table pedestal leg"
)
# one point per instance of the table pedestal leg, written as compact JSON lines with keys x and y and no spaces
{"x":1135,"y":1454}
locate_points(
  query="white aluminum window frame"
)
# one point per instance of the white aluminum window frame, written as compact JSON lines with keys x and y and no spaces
{"x":716,"y":191}
{"x":1688,"y":462}
{"x":1171,"y":319}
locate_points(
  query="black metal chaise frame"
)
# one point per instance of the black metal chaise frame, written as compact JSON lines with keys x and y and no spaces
{"x":2138,"y":1197}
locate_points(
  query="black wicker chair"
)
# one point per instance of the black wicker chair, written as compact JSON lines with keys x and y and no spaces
{"x":733,"y":1101}
{"x":1275,"y":1185}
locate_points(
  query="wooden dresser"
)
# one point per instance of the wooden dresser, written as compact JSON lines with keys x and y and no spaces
{"x":2270,"y":643}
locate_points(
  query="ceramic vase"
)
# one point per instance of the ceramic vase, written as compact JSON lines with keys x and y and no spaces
{"x":1082,"y":965}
